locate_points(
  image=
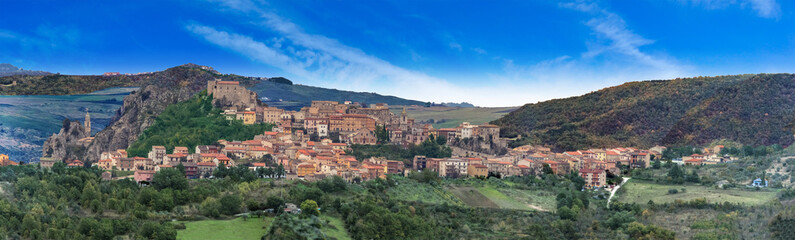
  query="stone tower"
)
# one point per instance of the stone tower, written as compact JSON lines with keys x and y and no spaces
{"x":87,"y":124}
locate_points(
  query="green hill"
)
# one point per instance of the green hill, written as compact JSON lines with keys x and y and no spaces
{"x":750,"y":109}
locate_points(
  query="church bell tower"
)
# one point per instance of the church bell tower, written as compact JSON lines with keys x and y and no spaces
{"x":87,"y":124}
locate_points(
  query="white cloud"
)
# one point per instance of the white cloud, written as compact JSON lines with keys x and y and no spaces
{"x":613,"y":57}
{"x":479,"y":51}
{"x":763,"y":8}
{"x":766,"y":8}
{"x":456,"y":46}
{"x":330,"y":63}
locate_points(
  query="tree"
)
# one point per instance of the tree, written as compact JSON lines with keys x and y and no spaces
{"x":169,"y":178}
{"x":274,"y":203}
{"x":620,"y":219}
{"x":657,"y":164}
{"x":230,"y":204}
{"x":676,"y":175}
{"x":382,"y":134}
{"x":210,"y":207}
{"x":547,"y":170}
{"x":441,"y":140}
{"x":309,"y":208}
{"x":693,"y":177}
{"x":90,"y":192}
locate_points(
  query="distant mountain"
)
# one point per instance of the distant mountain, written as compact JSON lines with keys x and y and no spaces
{"x":462,"y":104}
{"x":750,"y":109}
{"x":277,"y":91}
{"x":293,"y":96}
{"x":10,"y":70}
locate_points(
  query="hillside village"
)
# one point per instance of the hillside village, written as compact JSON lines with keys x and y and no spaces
{"x":313,"y":143}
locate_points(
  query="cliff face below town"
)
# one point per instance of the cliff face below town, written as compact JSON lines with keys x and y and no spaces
{"x":64,"y":144}
{"x":752,"y":109}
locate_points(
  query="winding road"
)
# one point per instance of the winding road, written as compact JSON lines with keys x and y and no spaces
{"x":624,"y":180}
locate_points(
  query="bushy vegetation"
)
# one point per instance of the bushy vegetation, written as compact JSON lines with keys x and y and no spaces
{"x":754,"y":110}
{"x":191,"y":123}
{"x":429,"y":148}
{"x":73,"y":203}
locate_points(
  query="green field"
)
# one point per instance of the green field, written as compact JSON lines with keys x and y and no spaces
{"x":641,"y":192}
{"x":253,"y":228}
{"x":412,"y":191}
{"x":446,"y":117}
{"x":502,"y":200}
{"x":538,"y":199}
{"x":472,"y":197}
{"x":336,"y":230}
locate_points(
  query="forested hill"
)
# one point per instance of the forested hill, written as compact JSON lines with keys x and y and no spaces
{"x":750,"y":109}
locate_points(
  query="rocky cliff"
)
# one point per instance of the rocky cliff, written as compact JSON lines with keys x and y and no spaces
{"x":138,"y":112}
{"x":64,"y":144}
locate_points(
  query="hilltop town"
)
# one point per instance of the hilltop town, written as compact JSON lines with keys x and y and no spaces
{"x":315,"y":142}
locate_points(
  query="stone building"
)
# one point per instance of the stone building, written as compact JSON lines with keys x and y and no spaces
{"x":230,"y":93}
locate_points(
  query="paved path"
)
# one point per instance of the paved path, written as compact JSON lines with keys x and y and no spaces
{"x":625,"y":180}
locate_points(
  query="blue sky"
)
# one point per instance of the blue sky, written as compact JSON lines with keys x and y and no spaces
{"x":490,"y":53}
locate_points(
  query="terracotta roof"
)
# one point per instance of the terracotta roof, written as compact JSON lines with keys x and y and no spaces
{"x":258,"y":164}
{"x":306,"y":165}
{"x":105,"y":160}
{"x":478,"y":165}
{"x":259,"y":149}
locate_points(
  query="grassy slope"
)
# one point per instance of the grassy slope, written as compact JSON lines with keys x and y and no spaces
{"x":338,"y":231}
{"x":236,"y":229}
{"x":642,"y":191}
{"x":253,"y":228}
{"x":412,"y":191}
{"x":446,"y":117}
{"x":502,"y":200}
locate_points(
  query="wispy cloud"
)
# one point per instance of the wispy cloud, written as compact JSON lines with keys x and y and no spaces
{"x":456,"y":46}
{"x":330,"y":63}
{"x":614,"y":56}
{"x":763,"y":8}
{"x":327,"y":62}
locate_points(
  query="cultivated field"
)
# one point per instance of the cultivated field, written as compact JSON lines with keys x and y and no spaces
{"x":642,"y":191}
{"x":472,"y":197}
{"x":413,"y":191}
{"x":253,"y":228}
